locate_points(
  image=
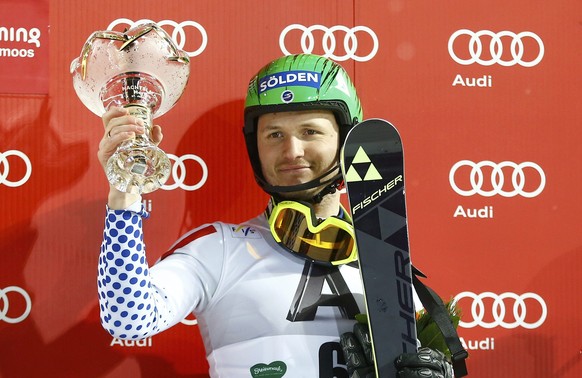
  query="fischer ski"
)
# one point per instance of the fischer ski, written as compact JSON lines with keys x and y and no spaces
{"x":373,"y":167}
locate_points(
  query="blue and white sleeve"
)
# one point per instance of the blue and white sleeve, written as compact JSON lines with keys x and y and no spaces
{"x":128,"y":304}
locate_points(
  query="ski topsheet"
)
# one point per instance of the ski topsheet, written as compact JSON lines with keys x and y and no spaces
{"x":373,"y":168}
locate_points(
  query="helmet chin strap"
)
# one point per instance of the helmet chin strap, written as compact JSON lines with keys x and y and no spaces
{"x":331,"y":185}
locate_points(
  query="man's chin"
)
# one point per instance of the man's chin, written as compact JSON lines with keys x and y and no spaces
{"x":302,"y":195}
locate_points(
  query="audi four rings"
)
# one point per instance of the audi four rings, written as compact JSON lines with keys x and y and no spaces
{"x":5,"y":303}
{"x":5,"y":168}
{"x":178,"y":33}
{"x":179,"y":172}
{"x":498,"y":310}
{"x":518,"y":179}
{"x":328,"y":43}
{"x":496,"y":48}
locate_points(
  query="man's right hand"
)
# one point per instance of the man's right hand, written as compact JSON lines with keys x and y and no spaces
{"x":120,"y":126}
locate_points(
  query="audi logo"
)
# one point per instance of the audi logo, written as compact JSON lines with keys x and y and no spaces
{"x":497,"y":179}
{"x":5,"y":304}
{"x":179,"y":172}
{"x":328,"y":43}
{"x":496,"y":48}
{"x":178,"y":34}
{"x":5,"y":168}
{"x":501,"y":303}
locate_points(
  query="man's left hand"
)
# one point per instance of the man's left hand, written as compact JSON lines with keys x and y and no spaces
{"x":426,"y":363}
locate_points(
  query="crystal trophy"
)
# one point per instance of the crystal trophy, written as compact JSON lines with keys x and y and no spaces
{"x":143,"y":71}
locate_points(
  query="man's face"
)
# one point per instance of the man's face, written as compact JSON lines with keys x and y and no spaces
{"x":297,"y":147}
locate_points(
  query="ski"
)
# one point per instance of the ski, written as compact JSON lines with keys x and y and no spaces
{"x":373,"y":167}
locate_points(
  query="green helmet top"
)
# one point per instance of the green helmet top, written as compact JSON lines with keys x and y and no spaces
{"x":299,"y":82}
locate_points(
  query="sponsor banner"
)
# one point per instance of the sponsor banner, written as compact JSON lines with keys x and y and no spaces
{"x":506,"y":310}
{"x":485,"y":95}
{"x":505,"y":48}
{"x":338,"y":42}
{"x":24,"y":53}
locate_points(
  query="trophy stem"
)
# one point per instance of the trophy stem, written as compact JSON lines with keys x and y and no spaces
{"x":138,"y":166}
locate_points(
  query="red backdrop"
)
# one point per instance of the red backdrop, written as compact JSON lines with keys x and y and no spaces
{"x":484,"y":93}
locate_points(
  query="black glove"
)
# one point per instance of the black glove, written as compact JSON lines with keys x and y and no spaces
{"x":426,"y":363}
{"x":357,"y":350}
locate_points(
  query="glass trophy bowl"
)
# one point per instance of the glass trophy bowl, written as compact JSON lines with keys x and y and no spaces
{"x":143,"y":71}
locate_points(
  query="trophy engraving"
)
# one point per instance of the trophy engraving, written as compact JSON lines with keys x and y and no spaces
{"x":143,"y":71}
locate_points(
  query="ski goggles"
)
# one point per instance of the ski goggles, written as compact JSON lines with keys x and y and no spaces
{"x":295,"y":227}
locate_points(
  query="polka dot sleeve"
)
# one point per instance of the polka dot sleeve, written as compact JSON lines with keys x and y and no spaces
{"x":126,"y":297}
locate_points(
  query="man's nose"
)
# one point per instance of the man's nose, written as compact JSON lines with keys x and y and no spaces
{"x":293,"y":147}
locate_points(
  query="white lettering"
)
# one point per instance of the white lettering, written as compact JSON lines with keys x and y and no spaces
{"x":289,"y":78}
{"x":484,"y":81}
{"x":377,"y":194}
{"x":486,"y":212}
{"x":458,"y":80}
{"x":272,"y":81}
{"x":132,"y":343}
{"x":486,"y":344}
{"x":16,"y":53}
{"x":31,"y":36}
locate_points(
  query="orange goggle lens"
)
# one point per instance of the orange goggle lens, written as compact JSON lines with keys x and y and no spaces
{"x":331,"y":241}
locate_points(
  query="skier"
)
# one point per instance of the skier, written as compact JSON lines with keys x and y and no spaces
{"x":276,"y":298}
